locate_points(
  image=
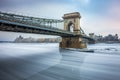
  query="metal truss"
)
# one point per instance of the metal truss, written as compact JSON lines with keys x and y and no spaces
{"x":29,"y":20}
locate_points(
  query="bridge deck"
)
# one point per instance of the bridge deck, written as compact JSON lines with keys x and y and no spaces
{"x":6,"y":25}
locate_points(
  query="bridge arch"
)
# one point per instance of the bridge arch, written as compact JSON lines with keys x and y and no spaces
{"x":70,"y":26}
{"x":72,"y":19}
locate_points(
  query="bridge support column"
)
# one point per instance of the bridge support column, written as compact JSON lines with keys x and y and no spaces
{"x":72,"y":42}
{"x":72,"y":24}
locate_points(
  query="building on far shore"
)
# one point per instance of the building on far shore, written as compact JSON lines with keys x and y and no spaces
{"x":106,"y":39}
{"x":20,"y":39}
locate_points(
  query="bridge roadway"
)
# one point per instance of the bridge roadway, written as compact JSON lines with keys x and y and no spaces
{"x":25,"y":24}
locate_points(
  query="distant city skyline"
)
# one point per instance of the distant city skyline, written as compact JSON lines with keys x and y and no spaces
{"x":98,"y":16}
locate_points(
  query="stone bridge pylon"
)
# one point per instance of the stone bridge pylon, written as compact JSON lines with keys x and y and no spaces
{"x":72,"y":24}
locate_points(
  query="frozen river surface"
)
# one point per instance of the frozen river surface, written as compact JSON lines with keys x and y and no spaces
{"x":47,"y":62}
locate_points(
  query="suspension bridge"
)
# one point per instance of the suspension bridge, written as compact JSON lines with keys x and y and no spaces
{"x":72,"y":34}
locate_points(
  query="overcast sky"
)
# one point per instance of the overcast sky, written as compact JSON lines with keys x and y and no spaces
{"x":98,"y":16}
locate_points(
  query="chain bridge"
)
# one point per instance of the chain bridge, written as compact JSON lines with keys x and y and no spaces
{"x":72,"y":34}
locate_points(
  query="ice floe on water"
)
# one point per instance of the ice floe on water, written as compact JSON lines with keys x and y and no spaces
{"x":105,"y":48}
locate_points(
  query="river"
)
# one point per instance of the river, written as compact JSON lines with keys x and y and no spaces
{"x":45,"y":61}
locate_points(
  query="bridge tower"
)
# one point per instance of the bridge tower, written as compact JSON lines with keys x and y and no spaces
{"x":72,"y":24}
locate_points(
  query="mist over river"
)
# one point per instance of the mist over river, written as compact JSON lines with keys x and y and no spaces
{"x":45,"y":61}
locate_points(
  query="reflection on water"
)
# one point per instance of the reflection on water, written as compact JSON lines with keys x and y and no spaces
{"x":47,"y":62}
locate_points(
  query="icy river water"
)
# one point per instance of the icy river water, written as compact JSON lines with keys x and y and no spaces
{"x":45,"y":61}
